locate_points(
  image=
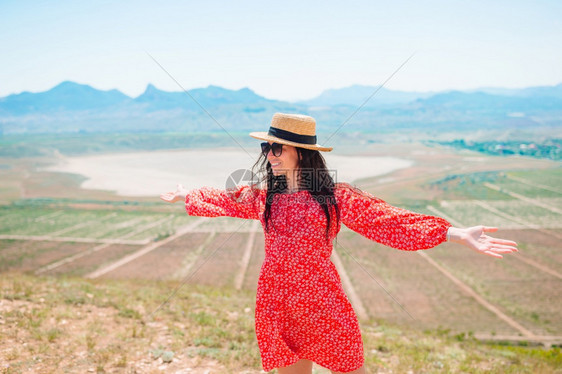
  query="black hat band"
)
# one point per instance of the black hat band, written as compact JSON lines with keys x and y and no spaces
{"x":291,"y":136}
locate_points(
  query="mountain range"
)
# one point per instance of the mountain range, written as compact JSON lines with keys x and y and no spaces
{"x":74,"y":107}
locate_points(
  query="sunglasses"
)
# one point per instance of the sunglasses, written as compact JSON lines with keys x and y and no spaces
{"x":275,"y":148}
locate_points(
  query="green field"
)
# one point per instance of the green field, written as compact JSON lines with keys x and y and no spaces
{"x":102,"y":223}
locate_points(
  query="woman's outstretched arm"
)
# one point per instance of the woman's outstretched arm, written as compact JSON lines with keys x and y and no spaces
{"x":402,"y":229}
{"x":239,"y":202}
{"x":475,"y":238}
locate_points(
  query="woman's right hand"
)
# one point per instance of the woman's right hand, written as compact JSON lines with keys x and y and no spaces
{"x":477,"y":239}
{"x":178,"y":195}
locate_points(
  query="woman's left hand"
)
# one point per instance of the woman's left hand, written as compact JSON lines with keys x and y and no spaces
{"x":178,"y":195}
{"x":475,"y":238}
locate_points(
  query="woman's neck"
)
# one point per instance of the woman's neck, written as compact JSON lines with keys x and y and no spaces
{"x":292,"y":182}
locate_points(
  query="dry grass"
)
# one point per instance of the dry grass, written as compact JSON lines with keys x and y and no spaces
{"x":74,"y":325}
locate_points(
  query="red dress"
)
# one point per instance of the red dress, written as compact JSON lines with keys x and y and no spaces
{"x":302,"y":311}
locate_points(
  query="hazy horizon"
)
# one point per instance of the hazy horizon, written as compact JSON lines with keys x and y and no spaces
{"x":273,"y":98}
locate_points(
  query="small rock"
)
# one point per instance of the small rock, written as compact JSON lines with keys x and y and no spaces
{"x":167,"y":356}
{"x":157,"y":353}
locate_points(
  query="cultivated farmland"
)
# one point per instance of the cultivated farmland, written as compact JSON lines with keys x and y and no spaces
{"x":447,"y":288}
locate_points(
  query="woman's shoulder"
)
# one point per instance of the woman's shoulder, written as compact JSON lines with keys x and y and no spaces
{"x":345,"y":190}
{"x":243,"y":192}
{"x":344,"y":187}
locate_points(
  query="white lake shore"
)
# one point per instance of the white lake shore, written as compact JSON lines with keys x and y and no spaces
{"x":151,"y":173}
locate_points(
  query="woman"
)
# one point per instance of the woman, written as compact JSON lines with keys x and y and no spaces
{"x":302,"y":313}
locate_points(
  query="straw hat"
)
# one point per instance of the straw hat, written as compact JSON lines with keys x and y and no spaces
{"x":292,"y":129}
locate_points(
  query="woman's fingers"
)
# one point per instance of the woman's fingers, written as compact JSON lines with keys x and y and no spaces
{"x":167,"y":196}
{"x":177,"y":195}
{"x":493,"y":254}
{"x":504,"y":249}
{"x":481,"y":242}
{"x":503,"y":242}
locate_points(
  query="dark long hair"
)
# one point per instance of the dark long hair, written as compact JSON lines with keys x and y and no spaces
{"x":312,"y":175}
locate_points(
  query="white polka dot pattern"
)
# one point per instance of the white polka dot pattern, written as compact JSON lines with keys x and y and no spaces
{"x":302,"y":311}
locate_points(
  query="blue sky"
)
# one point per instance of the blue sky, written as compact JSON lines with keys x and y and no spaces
{"x":286,"y":50}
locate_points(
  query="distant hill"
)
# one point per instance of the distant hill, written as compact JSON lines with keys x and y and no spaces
{"x":71,"y":107}
{"x":210,"y":97}
{"x":357,"y":94}
{"x":486,"y":102}
{"x":539,"y":91}
{"x":66,"y":96}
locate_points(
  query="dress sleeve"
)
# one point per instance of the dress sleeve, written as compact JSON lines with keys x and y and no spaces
{"x":240,"y":202}
{"x":386,"y":224}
